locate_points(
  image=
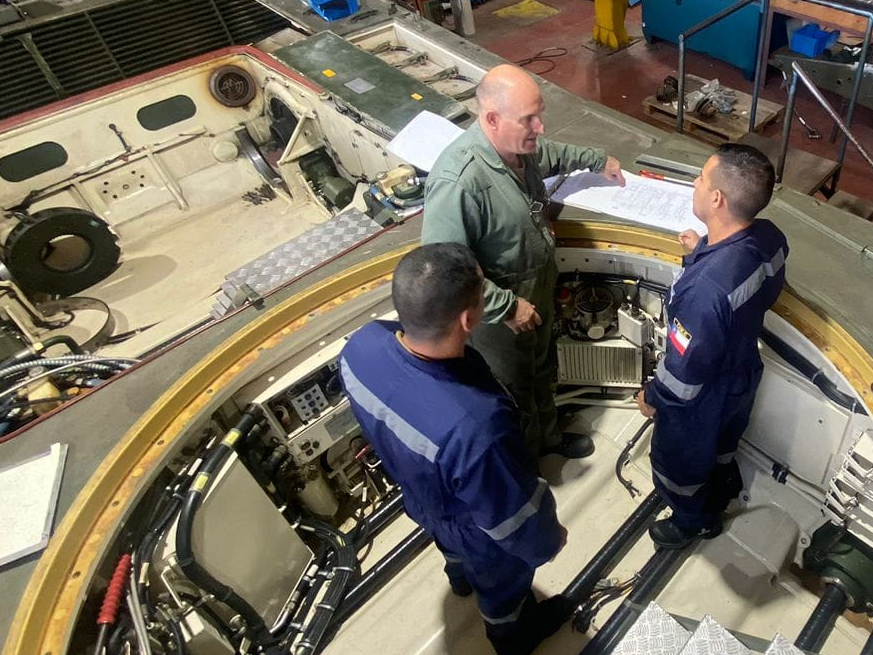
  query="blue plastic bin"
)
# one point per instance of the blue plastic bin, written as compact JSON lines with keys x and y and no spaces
{"x":810,"y":40}
{"x":334,"y":9}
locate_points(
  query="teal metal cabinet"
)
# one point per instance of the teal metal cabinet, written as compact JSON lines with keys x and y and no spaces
{"x":733,"y":39}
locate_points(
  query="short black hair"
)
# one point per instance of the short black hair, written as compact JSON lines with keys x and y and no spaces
{"x":746,"y":176}
{"x":432,"y":285}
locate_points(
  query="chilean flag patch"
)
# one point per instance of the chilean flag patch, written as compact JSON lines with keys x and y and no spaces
{"x":679,"y":336}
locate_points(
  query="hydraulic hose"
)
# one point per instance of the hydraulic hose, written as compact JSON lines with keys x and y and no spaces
{"x":184,"y":546}
{"x":613,"y":550}
{"x":820,"y":623}
{"x":376,"y":577}
{"x":653,"y":576}
{"x":68,"y":341}
{"x":166,"y":511}
{"x":624,"y":457}
{"x":811,"y":372}
{"x":372,"y":525}
{"x":302,"y":598}
{"x":35,"y":350}
{"x":82,"y":360}
{"x":345,"y":566}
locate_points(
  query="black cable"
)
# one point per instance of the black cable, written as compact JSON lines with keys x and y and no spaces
{"x":124,"y":336}
{"x":624,"y":457}
{"x":69,"y":342}
{"x":175,"y":631}
{"x":811,"y":372}
{"x":113,"y":645}
{"x":346,"y":565}
{"x":310,"y":593}
{"x":187,"y":561}
{"x":546,"y":56}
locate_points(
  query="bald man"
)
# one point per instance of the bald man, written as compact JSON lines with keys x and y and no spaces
{"x":486,"y":191}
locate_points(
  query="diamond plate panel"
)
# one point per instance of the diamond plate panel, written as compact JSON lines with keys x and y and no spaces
{"x":711,"y":639}
{"x":655,"y":633}
{"x":781,"y":646}
{"x":297,"y":256}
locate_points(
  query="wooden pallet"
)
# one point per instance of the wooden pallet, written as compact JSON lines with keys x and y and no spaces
{"x":721,"y":127}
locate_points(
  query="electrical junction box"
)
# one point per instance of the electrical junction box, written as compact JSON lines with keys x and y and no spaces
{"x":318,"y":436}
{"x":634,"y":326}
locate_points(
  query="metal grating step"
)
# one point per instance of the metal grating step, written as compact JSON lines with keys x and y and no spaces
{"x":712,"y":639}
{"x":294,"y":258}
{"x":781,"y":646}
{"x":655,"y":632}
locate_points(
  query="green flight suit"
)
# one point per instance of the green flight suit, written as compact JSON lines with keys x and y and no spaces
{"x":473,"y":197}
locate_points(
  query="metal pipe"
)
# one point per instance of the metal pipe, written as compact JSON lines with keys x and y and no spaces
{"x":680,"y":91}
{"x":856,"y":90}
{"x":614,"y":549}
{"x":680,"y":109}
{"x":821,"y":621}
{"x":760,"y":65}
{"x":724,"y":13}
{"x":786,"y":127}
{"x":656,"y":572}
{"x":799,"y":72}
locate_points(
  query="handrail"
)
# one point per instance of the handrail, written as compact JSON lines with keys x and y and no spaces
{"x":799,"y":74}
{"x":680,"y":109}
{"x":856,"y":87}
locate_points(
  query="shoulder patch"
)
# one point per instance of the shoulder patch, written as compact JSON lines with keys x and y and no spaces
{"x":679,"y":337}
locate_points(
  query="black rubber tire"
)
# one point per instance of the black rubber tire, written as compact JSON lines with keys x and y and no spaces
{"x":25,"y":249}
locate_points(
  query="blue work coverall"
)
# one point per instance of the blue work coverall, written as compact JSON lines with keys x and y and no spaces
{"x":473,"y":197}
{"x":704,"y":388}
{"x":450,"y":436}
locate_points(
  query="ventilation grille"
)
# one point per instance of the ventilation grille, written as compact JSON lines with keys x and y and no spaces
{"x":23,"y":84}
{"x":612,"y":363}
{"x":90,"y":49}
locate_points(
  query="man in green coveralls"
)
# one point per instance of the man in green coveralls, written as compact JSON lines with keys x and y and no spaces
{"x":486,"y":191}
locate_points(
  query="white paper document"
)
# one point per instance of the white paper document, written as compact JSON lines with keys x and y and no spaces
{"x":423,"y":139}
{"x":29,"y":490}
{"x":658,"y":203}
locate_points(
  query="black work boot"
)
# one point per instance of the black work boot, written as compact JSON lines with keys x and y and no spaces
{"x":460,"y":586}
{"x":573,"y":445}
{"x":670,"y":536}
{"x":537,"y":621}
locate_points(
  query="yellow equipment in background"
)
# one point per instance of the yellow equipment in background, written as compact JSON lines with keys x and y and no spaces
{"x":609,"y":26}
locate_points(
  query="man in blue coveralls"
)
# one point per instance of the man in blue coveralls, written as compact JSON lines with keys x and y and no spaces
{"x":450,"y":436}
{"x":704,"y":387}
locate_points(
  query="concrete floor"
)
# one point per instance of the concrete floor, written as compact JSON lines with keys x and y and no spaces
{"x":621,"y":80}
